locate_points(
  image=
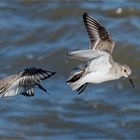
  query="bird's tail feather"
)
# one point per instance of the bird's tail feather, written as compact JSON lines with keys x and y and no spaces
{"x":76,"y":76}
{"x":76,"y":85}
{"x":76,"y":81}
{"x":82,"y":88}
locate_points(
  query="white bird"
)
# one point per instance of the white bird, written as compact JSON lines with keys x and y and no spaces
{"x":100,"y":65}
{"x":24,"y":82}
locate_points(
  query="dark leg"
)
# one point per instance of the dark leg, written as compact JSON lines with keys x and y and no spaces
{"x":81,"y":89}
{"x":42,"y":88}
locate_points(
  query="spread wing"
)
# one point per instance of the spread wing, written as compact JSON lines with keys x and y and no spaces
{"x":29,"y":93}
{"x":32,"y":76}
{"x":6,"y":83}
{"x":86,"y":55}
{"x":103,"y":63}
{"x":27,"y":78}
{"x":99,"y":37}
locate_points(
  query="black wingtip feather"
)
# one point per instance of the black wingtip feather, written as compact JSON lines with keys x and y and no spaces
{"x":33,"y":71}
{"x":53,"y":73}
{"x":85,"y":14}
{"x":49,"y":73}
{"x":27,"y":95}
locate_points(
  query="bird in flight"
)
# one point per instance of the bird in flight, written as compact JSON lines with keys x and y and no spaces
{"x":24,"y":82}
{"x":100,"y":64}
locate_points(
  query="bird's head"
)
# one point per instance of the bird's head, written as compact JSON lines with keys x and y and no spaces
{"x":126,"y":72}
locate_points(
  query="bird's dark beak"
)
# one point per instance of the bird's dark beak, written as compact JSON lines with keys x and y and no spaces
{"x":131,"y":81}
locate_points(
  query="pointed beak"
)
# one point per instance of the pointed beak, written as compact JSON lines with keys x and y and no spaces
{"x":131,"y":82}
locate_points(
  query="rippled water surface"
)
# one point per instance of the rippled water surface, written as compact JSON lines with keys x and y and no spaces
{"x":39,"y":33}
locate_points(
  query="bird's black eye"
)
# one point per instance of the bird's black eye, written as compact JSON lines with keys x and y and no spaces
{"x":124,"y":70}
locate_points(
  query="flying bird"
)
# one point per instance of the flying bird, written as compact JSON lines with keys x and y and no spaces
{"x":100,"y":64}
{"x":24,"y":82}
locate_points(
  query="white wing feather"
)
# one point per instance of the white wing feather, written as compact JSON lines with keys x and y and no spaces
{"x":102,"y":63}
{"x":86,"y":55}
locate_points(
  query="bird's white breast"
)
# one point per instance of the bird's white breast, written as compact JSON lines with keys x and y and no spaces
{"x":101,"y":64}
{"x":15,"y":89}
{"x":98,"y":77}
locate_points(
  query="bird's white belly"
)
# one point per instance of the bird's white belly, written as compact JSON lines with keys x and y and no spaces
{"x":98,"y":77}
{"x":12,"y":91}
{"x":15,"y":89}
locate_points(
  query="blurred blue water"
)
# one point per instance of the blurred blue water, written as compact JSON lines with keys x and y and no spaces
{"x":40,"y":33}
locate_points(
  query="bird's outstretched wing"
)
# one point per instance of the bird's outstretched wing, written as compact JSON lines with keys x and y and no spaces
{"x":99,"y":36}
{"x":32,"y":76}
{"x":29,"y":93}
{"x":26,"y":79}
{"x":86,"y":55}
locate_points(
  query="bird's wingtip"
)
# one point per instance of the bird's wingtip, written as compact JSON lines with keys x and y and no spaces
{"x":85,"y":14}
{"x":68,"y":54}
{"x":53,"y":73}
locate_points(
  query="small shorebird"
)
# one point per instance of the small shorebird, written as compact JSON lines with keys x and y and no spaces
{"x":24,"y":82}
{"x":100,"y":65}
